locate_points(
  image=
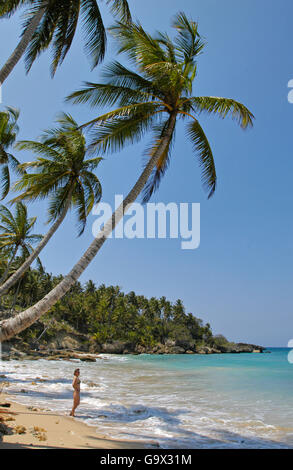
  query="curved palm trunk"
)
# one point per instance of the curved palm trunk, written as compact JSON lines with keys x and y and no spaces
{"x":22,"y":45}
{"x":13,"y":326}
{"x":24,"y":267}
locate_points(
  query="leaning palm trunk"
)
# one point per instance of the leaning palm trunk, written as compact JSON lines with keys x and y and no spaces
{"x":13,"y":326}
{"x":22,"y":45}
{"x":24,"y":267}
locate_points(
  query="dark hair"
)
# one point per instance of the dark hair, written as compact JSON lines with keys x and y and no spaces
{"x":76,"y":370}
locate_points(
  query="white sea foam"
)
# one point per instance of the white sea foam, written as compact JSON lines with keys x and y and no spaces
{"x":130,"y":398}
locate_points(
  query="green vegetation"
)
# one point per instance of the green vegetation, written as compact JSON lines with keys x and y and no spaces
{"x":63,"y":175}
{"x":53,"y":23}
{"x":106,"y":314}
{"x":8,"y":133}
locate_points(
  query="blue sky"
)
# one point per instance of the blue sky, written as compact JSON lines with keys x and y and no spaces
{"x":240,"y":278}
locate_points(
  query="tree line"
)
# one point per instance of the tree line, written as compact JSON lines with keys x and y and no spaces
{"x":105,"y":314}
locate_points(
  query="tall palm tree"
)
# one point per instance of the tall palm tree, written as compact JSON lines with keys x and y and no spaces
{"x":8,"y":133}
{"x":153,"y":98}
{"x":54,"y":22}
{"x":15,"y":234}
{"x":64,"y":174}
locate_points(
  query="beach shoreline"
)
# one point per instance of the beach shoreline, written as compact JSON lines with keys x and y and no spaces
{"x":37,"y":428}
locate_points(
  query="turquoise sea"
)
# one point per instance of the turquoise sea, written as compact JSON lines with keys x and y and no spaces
{"x":175,"y":401}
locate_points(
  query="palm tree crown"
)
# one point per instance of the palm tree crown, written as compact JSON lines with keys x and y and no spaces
{"x":61,"y":172}
{"x":54,"y":22}
{"x":15,"y":232}
{"x":147,"y":98}
{"x":8,"y":133}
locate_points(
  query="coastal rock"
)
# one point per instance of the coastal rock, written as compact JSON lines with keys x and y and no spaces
{"x":5,"y":430}
{"x":69,"y":346}
{"x":5,"y":357}
{"x":216,"y":351}
{"x":203,"y":350}
{"x":87,"y":358}
{"x":139,"y":349}
{"x":176,"y":350}
{"x":64,"y":340}
{"x":187,"y":345}
{"x":116,"y":347}
{"x":157,"y":348}
{"x":170,"y":343}
{"x":19,"y":429}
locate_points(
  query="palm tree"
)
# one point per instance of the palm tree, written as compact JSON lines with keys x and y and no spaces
{"x":8,"y":133}
{"x":63,"y":174}
{"x":153,"y":98}
{"x":16,"y":234}
{"x":54,"y":22}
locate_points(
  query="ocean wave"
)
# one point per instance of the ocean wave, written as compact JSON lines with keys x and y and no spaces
{"x":137,"y":399}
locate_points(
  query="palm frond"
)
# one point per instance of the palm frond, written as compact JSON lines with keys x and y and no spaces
{"x":121,"y":9}
{"x":117,"y":74}
{"x":57,"y":202}
{"x":79,"y":202}
{"x":189,"y":43}
{"x":159,"y":171}
{"x":64,"y":33}
{"x":126,"y":112}
{"x":114,"y":134}
{"x":140,"y":47}
{"x":223,"y":107}
{"x":204,"y":152}
{"x":36,"y":147}
{"x":9,"y":7}
{"x":43,"y":35}
{"x":92,"y":183}
{"x":94,"y":29}
{"x":5,"y":181}
{"x":100,"y":94}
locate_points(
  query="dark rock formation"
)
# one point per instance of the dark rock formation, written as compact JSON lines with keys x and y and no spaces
{"x":69,"y":346}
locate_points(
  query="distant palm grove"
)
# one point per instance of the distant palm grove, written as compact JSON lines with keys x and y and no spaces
{"x":107,"y":315}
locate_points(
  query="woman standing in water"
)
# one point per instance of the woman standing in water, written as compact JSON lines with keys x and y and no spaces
{"x":76,"y":391}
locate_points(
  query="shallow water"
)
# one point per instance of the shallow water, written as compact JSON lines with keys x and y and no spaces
{"x":178,"y":401}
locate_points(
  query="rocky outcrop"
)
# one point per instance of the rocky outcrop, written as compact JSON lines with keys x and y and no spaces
{"x":238,"y":348}
{"x":116,"y":347}
{"x":64,"y":340}
{"x":70,"y":346}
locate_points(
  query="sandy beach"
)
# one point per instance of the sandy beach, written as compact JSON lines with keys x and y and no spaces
{"x":39,"y":429}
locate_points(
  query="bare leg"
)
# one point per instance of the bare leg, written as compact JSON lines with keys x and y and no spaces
{"x":76,"y":401}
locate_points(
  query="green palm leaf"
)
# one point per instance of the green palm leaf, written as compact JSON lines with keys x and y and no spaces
{"x":58,"y":24}
{"x":223,"y":107}
{"x":8,"y":133}
{"x":94,"y":31}
{"x":205,"y":155}
{"x":159,"y":171}
{"x":121,"y":9}
{"x":160,"y":86}
{"x":59,"y":168}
